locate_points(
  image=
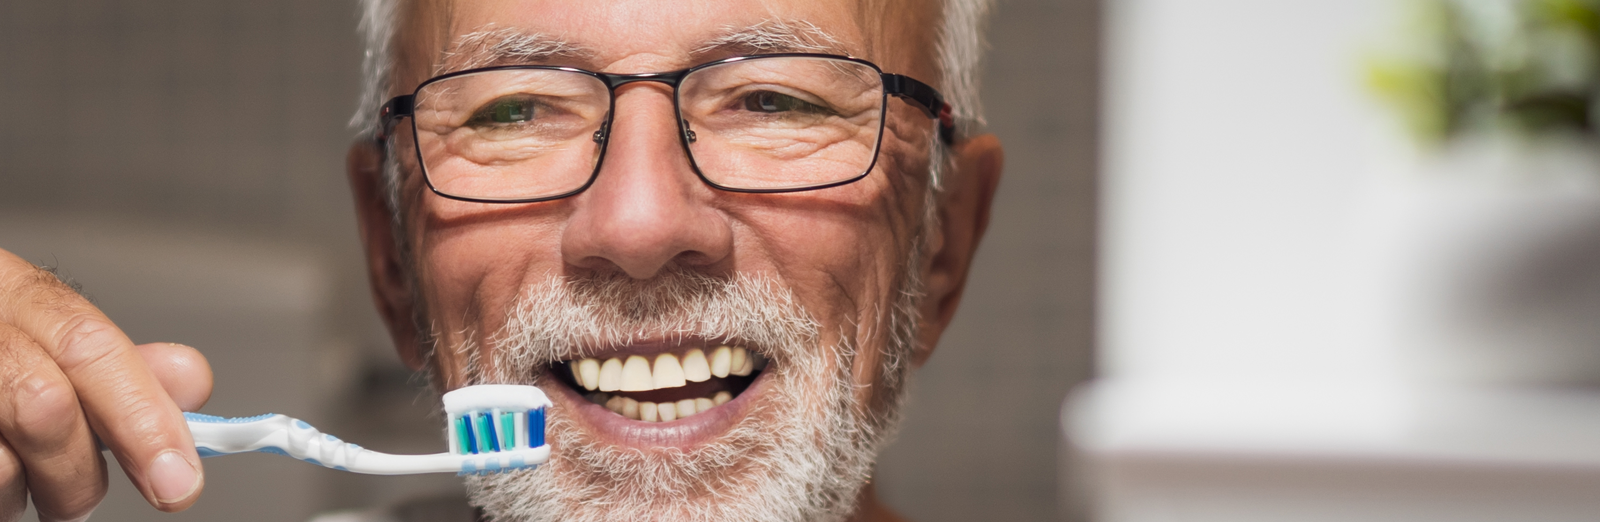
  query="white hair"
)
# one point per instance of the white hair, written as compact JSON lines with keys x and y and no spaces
{"x":379,"y":20}
{"x":960,"y":50}
{"x":959,"y":47}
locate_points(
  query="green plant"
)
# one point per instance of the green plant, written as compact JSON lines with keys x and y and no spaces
{"x":1464,"y":66}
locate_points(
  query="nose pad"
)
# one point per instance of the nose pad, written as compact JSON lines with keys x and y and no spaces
{"x":600,"y":135}
{"x":688,"y":133}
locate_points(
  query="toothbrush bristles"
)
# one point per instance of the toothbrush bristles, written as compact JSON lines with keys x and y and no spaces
{"x":487,"y":424}
{"x":508,"y":430}
{"x":496,"y":427}
{"x":491,"y":431}
{"x":535,"y":428}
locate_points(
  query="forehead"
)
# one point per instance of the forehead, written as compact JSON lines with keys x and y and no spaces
{"x":648,"y":35}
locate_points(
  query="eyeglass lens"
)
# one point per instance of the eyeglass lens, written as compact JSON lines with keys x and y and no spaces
{"x":777,"y":123}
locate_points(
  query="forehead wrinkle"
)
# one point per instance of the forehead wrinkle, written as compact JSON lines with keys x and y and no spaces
{"x":490,"y":46}
{"x":774,"y":36}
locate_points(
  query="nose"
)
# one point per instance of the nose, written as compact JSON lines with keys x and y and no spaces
{"x":646,"y":209}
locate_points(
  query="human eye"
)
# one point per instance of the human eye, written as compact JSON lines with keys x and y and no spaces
{"x":771,"y":102}
{"x":506,"y":111}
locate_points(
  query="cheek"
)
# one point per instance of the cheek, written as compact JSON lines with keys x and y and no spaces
{"x":474,"y":265}
{"x":830,"y":251}
{"x":842,"y":252}
{"x":844,"y":272}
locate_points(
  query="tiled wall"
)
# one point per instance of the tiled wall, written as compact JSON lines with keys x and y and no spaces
{"x":226,"y":119}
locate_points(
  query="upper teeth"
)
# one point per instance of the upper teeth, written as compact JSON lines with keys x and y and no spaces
{"x":638,"y":373}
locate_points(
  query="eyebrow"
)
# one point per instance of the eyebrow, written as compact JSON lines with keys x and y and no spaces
{"x":773,"y":36}
{"x":493,"y":46}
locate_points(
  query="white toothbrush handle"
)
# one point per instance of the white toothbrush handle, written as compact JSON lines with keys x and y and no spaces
{"x":288,"y":436}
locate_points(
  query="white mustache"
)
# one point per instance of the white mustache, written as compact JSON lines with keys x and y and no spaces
{"x":568,"y":318}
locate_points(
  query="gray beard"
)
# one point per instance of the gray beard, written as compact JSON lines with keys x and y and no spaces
{"x":802,"y":454}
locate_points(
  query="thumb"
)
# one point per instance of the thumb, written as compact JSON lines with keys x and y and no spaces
{"x":182,"y":371}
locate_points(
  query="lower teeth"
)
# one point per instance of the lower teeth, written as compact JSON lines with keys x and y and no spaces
{"x":658,"y":412}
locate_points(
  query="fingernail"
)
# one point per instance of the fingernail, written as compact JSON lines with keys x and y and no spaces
{"x":173,"y":478}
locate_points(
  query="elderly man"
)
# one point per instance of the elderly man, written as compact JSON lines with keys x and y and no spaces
{"x":773,"y":203}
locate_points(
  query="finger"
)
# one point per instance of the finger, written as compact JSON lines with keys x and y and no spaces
{"x":13,"y":485}
{"x":182,"y":371}
{"x":41,"y":422}
{"x":124,"y":403}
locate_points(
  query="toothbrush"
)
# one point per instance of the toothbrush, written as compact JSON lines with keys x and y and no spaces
{"x":491,"y":428}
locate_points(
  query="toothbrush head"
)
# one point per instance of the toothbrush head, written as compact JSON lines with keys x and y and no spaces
{"x":496,"y":426}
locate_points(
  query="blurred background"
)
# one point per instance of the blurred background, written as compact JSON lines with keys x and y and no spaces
{"x":1349,"y":264}
{"x":183,"y":160}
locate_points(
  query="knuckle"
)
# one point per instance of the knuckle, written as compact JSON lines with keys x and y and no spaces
{"x":83,"y":338}
{"x":44,"y":405}
{"x":147,"y":421}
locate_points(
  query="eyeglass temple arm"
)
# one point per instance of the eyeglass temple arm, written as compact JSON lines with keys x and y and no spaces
{"x":926,"y":98}
{"x":396,"y":108}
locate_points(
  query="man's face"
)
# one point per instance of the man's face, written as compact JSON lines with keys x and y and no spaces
{"x":824,"y":287}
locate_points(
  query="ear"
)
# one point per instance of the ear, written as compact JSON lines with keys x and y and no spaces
{"x":391,"y":288}
{"x":963,"y":218}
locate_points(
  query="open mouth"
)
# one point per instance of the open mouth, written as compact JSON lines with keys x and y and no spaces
{"x":664,"y":385}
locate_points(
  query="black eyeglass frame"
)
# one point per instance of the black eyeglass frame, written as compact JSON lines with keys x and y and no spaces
{"x":919,"y":94}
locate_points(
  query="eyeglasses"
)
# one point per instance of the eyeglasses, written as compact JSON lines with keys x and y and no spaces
{"x":762,"y":124}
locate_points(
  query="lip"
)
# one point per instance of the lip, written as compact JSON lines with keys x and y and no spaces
{"x":681,"y":433}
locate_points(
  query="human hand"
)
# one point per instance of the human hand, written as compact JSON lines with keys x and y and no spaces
{"x":69,"y":375}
